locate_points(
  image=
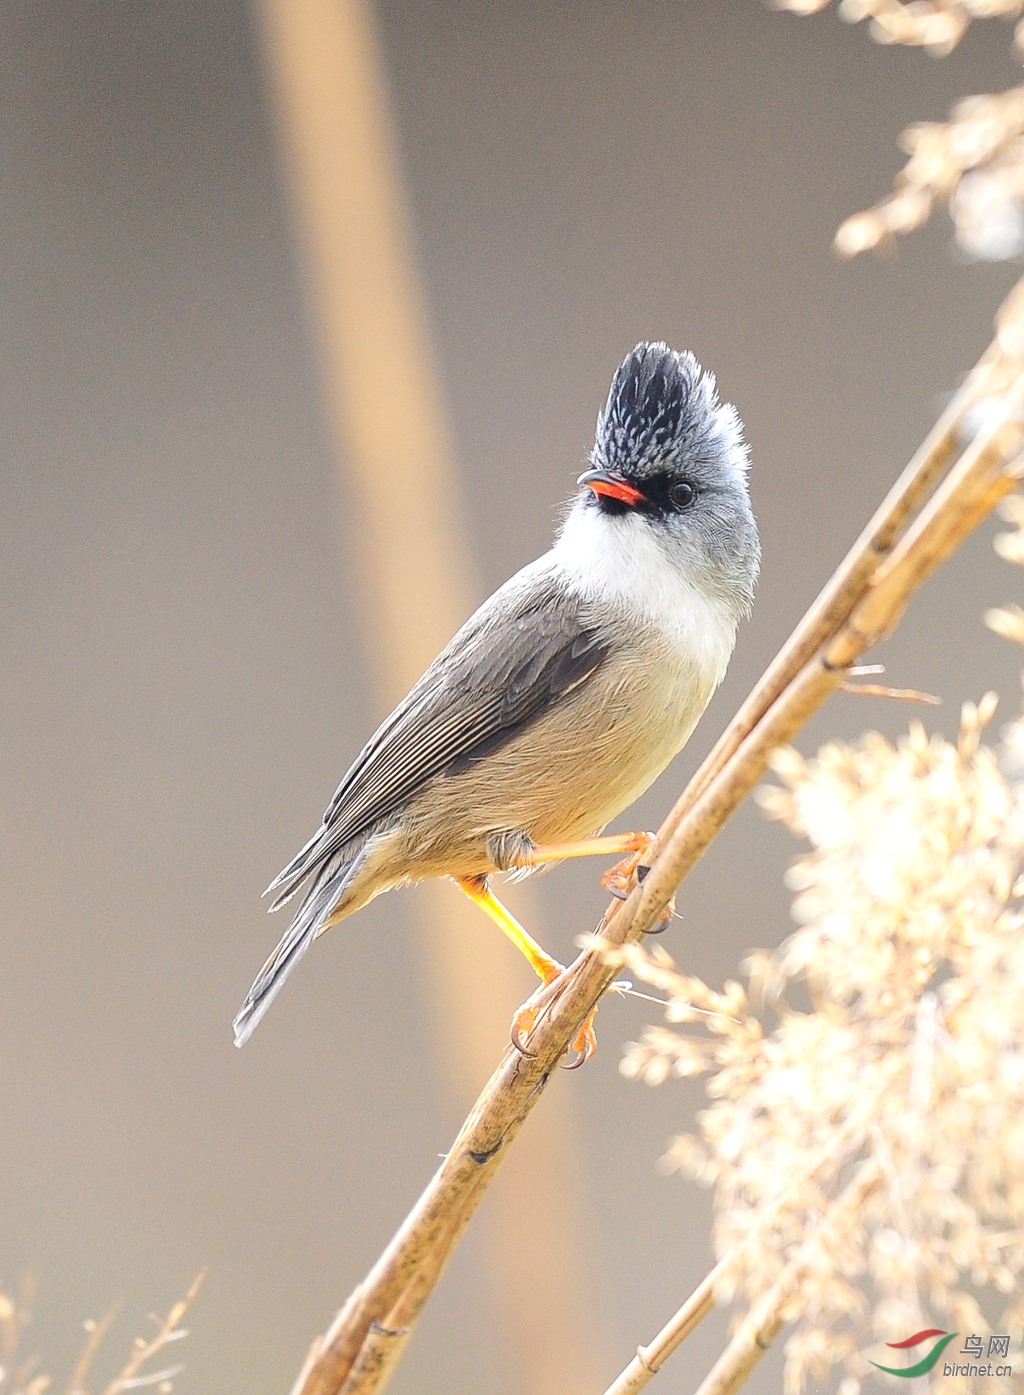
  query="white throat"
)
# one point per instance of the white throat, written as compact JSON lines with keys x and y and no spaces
{"x":619,"y":564}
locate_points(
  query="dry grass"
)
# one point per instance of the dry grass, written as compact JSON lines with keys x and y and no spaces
{"x":23,"y":1375}
{"x":973,"y":163}
{"x":934,"y":25}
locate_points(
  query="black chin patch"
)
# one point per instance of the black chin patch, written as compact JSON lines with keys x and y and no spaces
{"x":614,"y":508}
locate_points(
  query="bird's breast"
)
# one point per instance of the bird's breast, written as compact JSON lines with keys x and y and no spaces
{"x":574,"y":768}
{"x":625,"y":577}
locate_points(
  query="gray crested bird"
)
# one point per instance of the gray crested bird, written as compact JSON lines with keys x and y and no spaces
{"x":567,"y":692}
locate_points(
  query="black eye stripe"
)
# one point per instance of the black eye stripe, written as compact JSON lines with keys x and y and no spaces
{"x":668,"y":493}
{"x":663,"y":493}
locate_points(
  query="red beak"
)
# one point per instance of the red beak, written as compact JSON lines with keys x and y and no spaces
{"x":613,"y":486}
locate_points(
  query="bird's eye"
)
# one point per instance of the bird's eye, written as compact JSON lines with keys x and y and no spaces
{"x":682,"y":495}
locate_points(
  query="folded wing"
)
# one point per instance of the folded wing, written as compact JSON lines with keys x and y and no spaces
{"x":508,"y":664}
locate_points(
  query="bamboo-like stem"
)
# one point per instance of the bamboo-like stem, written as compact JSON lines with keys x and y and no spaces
{"x":650,"y":1359}
{"x":916,"y":528}
{"x":431,"y":1230}
{"x":386,"y":1341}
{"x":771,"y":1312}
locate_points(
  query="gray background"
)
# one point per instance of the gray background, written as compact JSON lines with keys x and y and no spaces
{"x":185,"y":674}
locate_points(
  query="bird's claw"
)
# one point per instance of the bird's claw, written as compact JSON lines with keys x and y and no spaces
{"x":523,"y":1024}
{"x":633,"y":871}
{"x":620,"y":879}
{"x":584,"y":1043}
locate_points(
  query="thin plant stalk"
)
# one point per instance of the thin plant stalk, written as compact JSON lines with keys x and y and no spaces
{"x":773,"y":1310}
{"x":168,"y":1331}
{"x":96,"y":1333}
{"x":649,"y":1359}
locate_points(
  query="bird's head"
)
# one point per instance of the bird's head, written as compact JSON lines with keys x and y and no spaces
{"x":670,"y":458}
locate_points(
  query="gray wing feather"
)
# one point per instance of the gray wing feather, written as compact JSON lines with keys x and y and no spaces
{"x":509,"y":663}
{"x":294,"y":944}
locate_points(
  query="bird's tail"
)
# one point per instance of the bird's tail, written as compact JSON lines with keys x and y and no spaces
{"x":319,"y":908}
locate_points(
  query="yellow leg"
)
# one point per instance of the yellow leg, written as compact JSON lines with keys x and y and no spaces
{"x":590,"y":847}
{"x":481,"y":895}
{"x":618,"y":879}
{"x":546,"y":968}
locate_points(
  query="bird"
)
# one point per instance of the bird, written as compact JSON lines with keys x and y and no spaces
{"x":565,"y":694}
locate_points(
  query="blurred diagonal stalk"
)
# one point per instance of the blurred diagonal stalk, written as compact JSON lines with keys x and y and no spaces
{"x":400,"y":498}
{"x":966,"y":465}
{"x":649,"y":1359}
{"x":761,"y":1325}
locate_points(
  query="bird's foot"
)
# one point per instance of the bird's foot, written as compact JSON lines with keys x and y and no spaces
{"x":584,"y":1043}
{"x":630,"y":872}
{"x":548,"y":970}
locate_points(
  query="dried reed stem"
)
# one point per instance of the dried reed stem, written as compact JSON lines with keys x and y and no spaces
{"x":918,"y":525}
{"x":769,"y":1315}
{"x":762,"y":1324}
{"x":650,"y":1359}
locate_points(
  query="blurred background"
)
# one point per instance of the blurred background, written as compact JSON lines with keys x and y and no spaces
{"x":197,"y":590}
